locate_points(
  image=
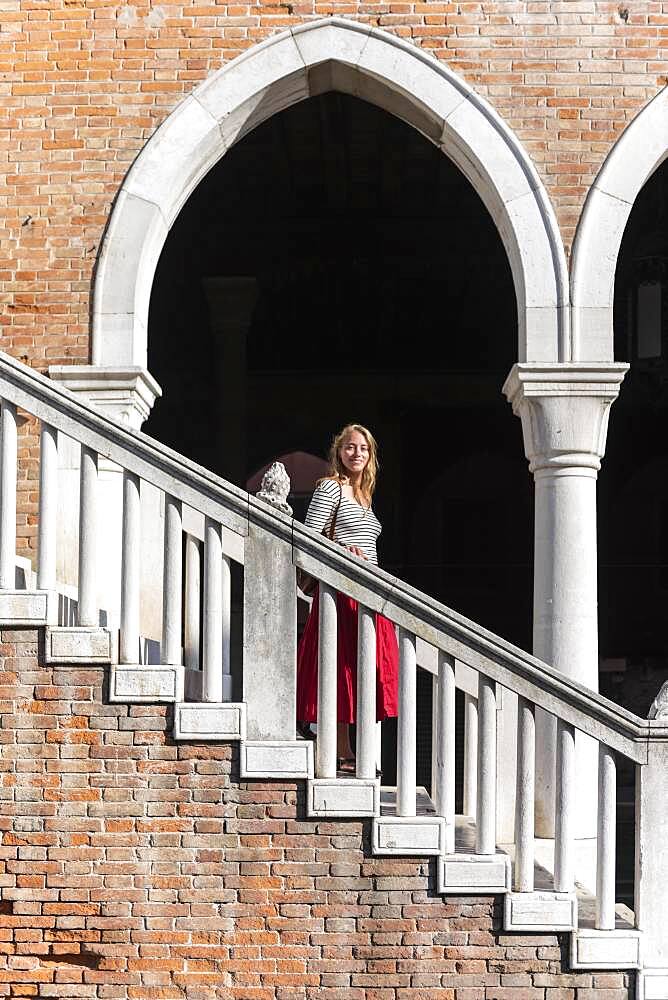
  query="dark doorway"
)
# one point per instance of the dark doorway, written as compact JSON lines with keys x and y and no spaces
{"x":335,"y":266}
{"x":633,"y":491}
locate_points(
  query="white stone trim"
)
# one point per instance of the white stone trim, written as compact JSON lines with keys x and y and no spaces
{"x":143,"y":682}
{"x":564,"y":411}
{"x":123,"y":393}
{"x":78,"y":645}
{"x":653,"y":984}
{"x":640,"y":150}
{"x":408,"y":835}
{"x":288,"y":67}
{"x":210,"y":721}
{"x":28,"y":608}
{"x":540,"y":911}
{"x":288,"y":759}
{"x":474,"y":873}
{"x":343,"y":797}
{"x":614,"y":949}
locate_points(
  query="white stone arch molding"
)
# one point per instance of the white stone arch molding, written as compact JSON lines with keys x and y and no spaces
{"x":313,"y":58}
{"x":639,"y":151}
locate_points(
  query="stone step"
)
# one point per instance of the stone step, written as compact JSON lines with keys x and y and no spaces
{"x":27,"y":608}
{"x":462,"y":872}
{"x":223,"y":720}
{"x":138,"y":683}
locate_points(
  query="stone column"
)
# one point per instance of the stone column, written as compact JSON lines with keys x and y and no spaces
{"x":231,"y":305}
{"x":564,"y":410}
{"x":126,"y":395}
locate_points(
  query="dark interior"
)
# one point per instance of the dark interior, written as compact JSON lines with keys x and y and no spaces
{"x":379,"y":293}
{"x":335,"y":267}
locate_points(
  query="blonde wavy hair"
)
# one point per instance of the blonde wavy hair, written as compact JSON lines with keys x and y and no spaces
{"x":338,"y":470}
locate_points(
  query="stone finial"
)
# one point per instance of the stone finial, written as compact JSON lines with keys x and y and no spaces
{"x":275,"y":487}
{"x":659,"y":708}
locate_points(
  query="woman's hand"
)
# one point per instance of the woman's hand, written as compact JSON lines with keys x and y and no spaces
{"x":356,"y":551}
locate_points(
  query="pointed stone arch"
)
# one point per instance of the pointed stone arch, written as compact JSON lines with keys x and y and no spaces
{"x":637,"y":154}
{"x":313,"y":58}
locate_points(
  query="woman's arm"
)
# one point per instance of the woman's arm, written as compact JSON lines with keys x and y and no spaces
{"x":322,"y":505}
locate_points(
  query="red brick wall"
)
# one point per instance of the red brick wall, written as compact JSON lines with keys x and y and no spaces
{"x":135,"y":868}
{"x":85,"y":83}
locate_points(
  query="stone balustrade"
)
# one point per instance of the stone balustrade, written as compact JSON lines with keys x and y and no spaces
{"x":216,"y":525}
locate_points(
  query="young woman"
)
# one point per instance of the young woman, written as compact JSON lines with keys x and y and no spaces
{"x":344,"y":499}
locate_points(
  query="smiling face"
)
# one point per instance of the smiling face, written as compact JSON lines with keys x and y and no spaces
{"x":354,"y":453}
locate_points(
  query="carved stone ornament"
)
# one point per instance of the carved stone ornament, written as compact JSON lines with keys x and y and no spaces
{"x":564,"y":411}
{"x":275,"y":487}
{"x":659,"y":708}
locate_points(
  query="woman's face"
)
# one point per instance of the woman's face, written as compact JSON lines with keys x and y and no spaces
{"x":354,"y":453}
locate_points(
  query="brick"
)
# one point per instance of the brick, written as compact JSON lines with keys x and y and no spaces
{"x":163,"y":847}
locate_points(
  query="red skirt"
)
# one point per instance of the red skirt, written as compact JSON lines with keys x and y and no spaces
{"x":387,"y":664}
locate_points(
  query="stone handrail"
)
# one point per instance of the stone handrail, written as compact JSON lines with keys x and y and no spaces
{"x":271,"y":545}
{"x":240,"y":512}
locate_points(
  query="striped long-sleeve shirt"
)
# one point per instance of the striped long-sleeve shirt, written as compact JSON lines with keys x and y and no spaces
{"x":355,"y":525}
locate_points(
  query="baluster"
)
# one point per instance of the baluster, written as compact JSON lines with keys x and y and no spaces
{"x":130,"y":570}
{"x":564,"y":808}
{"x":325,"y":747}
{"x":48,"y":508}
{"x":88,"y":611}
{"x":605,"y":858}
{"x":444,"y":784}
{"x":193,"y":597}
{"x":470,"y":755}
{"x":212,"y":639}
{"x":366,"y":693}
{"x":524,"y":796}
{"x":406,"y":732}
{"x":8,"y":458}
{"x":434,"y":740}
{"x":486,"y":810}
{"x":172,"y":583}
{"x":226,"y":607}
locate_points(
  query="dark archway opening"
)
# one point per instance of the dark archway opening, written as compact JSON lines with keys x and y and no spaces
{"x":633,"y":492}
{"x":367,"y":282}
{"x":634,"y":482}
{"x":335,"y":266}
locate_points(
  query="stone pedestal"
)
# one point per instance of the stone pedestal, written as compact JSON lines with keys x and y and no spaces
{"x":564,"y":410}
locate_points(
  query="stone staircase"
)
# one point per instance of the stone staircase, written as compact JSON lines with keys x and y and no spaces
{"x":216,"y":525}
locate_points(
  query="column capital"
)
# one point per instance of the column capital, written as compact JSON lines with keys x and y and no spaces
{"x":126,"y":393}
{"x":564,"y":411}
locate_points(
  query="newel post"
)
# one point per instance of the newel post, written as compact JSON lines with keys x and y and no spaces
{"x":564,"y":410}
{"x":270,"y":622}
